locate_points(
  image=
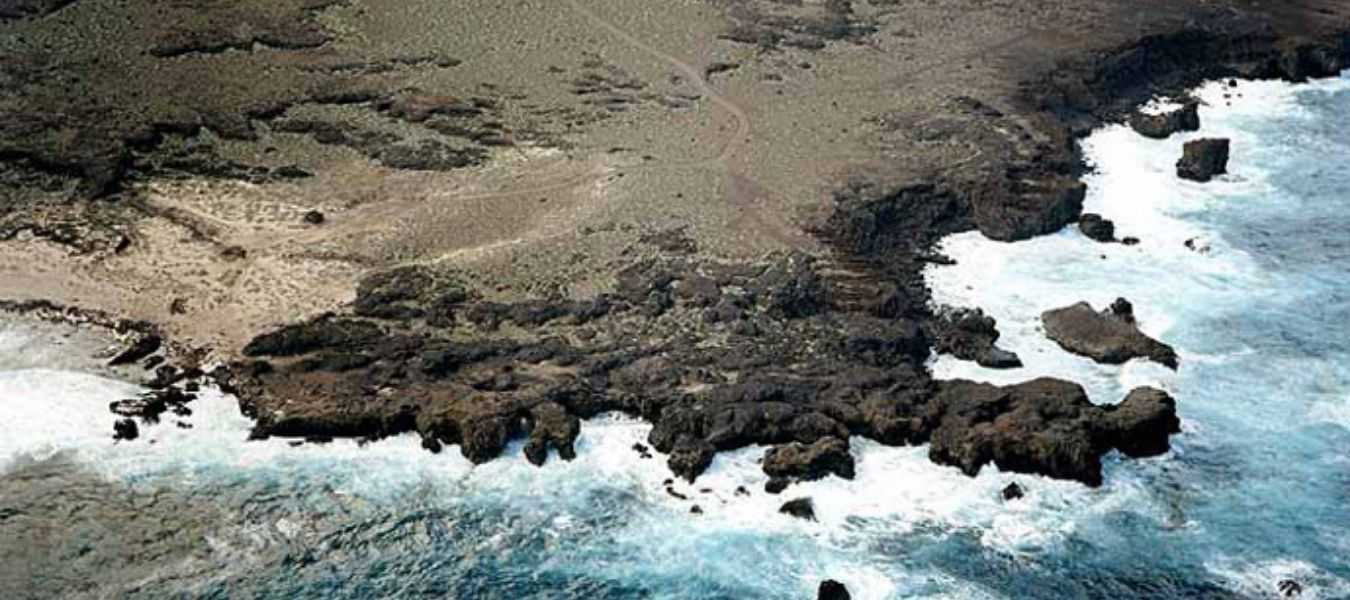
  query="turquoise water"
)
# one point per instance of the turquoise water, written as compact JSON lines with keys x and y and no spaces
{"x":1256,"y":490}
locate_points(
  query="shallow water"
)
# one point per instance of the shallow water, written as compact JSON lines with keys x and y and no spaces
{"x":1256,"y":490}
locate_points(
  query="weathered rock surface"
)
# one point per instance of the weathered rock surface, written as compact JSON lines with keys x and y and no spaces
{"x":1045,"y":427}
{"x":807,"y":462}
{"x":1108,"y":337}
{"x":404,"y":365}
{"x":1203,"y":159}
{"x":802,"y":508}
{"x":1097,"y":228}
{"x":969,"y":334}
{"x":1162,"y":125}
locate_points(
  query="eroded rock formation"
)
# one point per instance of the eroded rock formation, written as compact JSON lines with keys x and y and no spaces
{"x":1164,"y":124}
{"x":1203,"y":159}
{"x":1045,"y":426}
{"x":1109,"y":337}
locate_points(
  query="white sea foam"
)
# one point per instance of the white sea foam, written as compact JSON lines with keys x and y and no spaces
{"x":1261,"y":579}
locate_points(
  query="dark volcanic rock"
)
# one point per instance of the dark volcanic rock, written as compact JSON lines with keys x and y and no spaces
{"x":1013,"y":491}
{"x":1045,"y":426}
{"x":1140,"y":425}
{"x":126,"y":429}
{"x":690,"y":458}
{"x":806,"y":462}
{"x":1095,"y":227}
{"x":832,"y":590}
{"x":144,"y":346}
{"x":1202,"y":159}
{"x":1040,"y":211}
{"x":969,"y":334}
{"x":321,"y":333}
{"x":1160,"y":126}
{"x":150,"y":405}
{"x":551,"y":425}
{"x":1107,"y":337}
{"x":1289,"y":588}
{"x":802,"y":508}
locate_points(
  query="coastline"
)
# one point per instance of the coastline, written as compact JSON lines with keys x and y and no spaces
{"x":327,"y":517}
{"x":886,"y":254}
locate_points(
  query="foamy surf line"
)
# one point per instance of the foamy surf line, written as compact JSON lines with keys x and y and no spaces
{"x":1230,"y":387}
{"x":66,"y":412}
{"x":1133,"y":184}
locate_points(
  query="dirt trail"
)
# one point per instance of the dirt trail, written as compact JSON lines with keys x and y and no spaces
{"x":742,"y":132}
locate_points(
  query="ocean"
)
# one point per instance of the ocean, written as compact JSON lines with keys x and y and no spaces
{"x":1256,"y":489}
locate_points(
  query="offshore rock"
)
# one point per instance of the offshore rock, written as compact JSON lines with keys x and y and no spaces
{"x":125,"y":429}
{"x":1097,"y":228}
{"x":832,"y":590}
{"x":1203,"y":159}
{"x":1108,"y":337}
{"x":802,"y":508}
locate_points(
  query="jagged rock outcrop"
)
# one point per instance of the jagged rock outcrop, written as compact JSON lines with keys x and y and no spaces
{"x":1045,"y":427}
{"x":969,"y":334}
{"x":1164,"y":124}
{"x":1203,"y":159}
{"x":806,"y":462}
{"x":1108,"y":337}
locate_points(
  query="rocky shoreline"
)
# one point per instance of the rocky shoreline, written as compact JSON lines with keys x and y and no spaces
{"x":792,"y":351}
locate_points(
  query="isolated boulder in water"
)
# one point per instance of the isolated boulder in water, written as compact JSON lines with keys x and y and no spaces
{"x":125,"y":429}
{"x":1045,"y":427}
{"x":1013,"y":491}
{"x":832,"y":590}
{"x":1289,"y":588}
{"x":1160,"y":126}
{"x":1095,"y":227}
{"x":1202,"y":159}
{"x":1106,"y":337}
{"x":810,"y":461}
{"x":802,"y":508}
